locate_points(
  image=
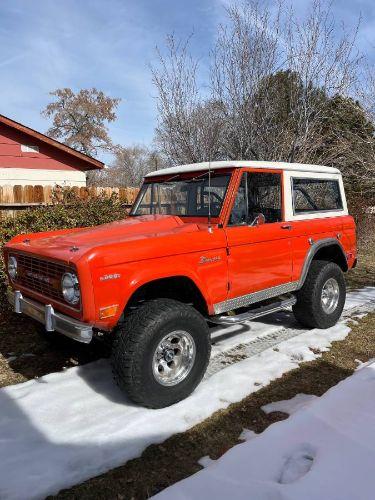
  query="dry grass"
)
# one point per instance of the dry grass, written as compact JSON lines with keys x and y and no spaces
{"x":364,"y":273}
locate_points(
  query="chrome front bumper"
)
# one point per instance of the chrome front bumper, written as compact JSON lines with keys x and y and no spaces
{"x":53,"y":321}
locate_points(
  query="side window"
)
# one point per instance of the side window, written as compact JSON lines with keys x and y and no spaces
{"x":316,"y":195}
{"x":258,"y":193}
{"x":264,"y":196}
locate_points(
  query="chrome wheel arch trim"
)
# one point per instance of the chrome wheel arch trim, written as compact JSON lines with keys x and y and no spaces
{"x":325,"y":242}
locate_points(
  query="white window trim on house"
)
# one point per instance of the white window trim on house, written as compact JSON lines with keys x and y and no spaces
{"x":29,"y":149}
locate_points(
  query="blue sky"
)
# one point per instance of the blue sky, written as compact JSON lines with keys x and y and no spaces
{"x":109,"y":44}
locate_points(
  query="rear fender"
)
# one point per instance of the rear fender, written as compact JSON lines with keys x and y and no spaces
{"x":315,"y":249}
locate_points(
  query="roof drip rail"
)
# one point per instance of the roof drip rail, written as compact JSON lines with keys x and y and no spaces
{"x":214,"y":165}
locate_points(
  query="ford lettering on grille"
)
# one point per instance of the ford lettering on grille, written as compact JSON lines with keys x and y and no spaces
{"x":39,"y":277}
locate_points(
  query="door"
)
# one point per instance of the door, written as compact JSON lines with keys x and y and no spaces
{"x":259,"y":243}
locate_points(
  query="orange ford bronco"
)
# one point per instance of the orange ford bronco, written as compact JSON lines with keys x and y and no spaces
{"x":219,"y":242}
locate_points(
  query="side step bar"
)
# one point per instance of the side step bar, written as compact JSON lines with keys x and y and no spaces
{"x":277,"y":305}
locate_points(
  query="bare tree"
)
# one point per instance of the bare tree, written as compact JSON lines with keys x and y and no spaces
{"x":130,"y":165}
{"x":270,"y":77}
{"x":188,"y":126}
{"x":324,"y":59}
{"x":79,"y":119}
{"x":366,"y":90}
{"x":246,"y":53}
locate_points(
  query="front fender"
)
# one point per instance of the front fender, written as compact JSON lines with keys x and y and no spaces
{"x":117,"y":284}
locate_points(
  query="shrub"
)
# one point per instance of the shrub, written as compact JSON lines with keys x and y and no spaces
{"x":67,"y":211}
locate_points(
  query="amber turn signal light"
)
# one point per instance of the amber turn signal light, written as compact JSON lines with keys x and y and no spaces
{"x":108,"y":312}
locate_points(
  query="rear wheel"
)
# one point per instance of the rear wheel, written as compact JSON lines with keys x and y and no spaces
{"x":321,"y":299}
{"x":161,"y":352}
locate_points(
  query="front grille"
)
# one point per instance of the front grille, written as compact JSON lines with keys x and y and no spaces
{"x":41,"y":276}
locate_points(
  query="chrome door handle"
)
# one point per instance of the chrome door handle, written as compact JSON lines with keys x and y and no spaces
{"x":287,"y":226}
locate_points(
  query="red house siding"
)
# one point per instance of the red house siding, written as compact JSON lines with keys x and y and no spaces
{"x":48,"y":158}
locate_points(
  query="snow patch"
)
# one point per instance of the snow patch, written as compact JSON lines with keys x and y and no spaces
{"x":325,"y":450}
{"x":206,"y":461}
{"x":290,"y":406}
{"x":246,"y":435}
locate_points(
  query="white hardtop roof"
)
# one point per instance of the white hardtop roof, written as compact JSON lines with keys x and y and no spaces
{"x":214,"y":165}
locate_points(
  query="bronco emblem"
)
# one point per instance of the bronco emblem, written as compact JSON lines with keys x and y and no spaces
{"x":207,"y":260}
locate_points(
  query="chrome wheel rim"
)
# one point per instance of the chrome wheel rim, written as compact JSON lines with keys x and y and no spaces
{"x":330,"y":295}
{"x":174,"y":358}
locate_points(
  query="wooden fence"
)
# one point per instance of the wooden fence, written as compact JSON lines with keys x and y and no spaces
{"x":14,"y":198}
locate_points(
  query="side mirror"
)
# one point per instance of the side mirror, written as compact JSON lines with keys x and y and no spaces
{"x":259,"y":220}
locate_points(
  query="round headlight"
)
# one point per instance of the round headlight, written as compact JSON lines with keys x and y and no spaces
{"x":70,"y":288}
{"x":12,"y":267}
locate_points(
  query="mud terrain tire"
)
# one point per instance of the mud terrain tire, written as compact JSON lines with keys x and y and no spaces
{"x":142,"y":339}
{"x":321,"y":299}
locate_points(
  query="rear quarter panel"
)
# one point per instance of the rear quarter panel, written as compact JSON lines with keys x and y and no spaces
{"x":318,"y":225}
{"x":349,"y":239}
{"x":340,"y":228}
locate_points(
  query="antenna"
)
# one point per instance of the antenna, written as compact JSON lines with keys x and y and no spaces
{"x":209,"y":196}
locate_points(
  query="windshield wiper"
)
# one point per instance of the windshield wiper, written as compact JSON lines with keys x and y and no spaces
{"x":197,"y":177}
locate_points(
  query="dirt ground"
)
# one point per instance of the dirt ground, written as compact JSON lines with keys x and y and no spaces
{"x":26,"y":353}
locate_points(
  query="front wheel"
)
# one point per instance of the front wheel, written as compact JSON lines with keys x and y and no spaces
{"x":321,"y":299}
{"x":161,"y":352}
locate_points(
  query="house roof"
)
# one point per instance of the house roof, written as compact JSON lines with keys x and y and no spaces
{"x":91,"y":163}
{"x":279,"y":165}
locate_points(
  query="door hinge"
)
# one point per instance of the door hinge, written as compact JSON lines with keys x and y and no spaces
{"x":228,"y":251}
{"x":228,"y":286}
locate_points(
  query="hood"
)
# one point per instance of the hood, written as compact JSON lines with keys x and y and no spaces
{"x":70,"y":244}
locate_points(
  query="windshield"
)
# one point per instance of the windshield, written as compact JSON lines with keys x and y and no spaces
{"x":183,"y":197}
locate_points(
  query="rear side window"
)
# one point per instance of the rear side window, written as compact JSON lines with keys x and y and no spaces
{"x":316,"y":195}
